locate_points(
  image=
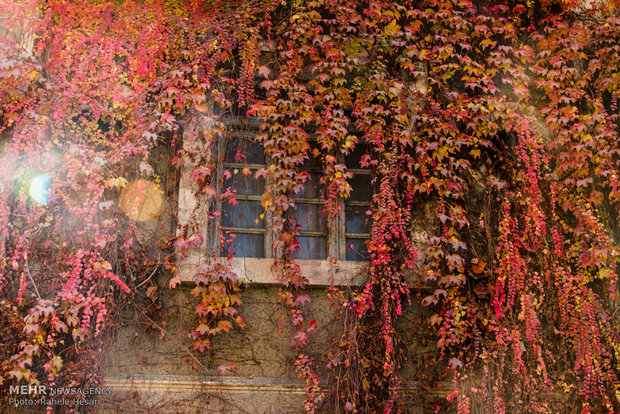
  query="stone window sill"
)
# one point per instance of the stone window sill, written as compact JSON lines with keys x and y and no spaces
{"x":258,"y":270}
{"x":253,"y":270}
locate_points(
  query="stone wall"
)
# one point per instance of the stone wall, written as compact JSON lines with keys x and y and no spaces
{"x":165,"y":375}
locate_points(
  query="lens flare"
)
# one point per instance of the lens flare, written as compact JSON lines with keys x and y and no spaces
{"x":142,"y":200}
{"x":39,"y":189}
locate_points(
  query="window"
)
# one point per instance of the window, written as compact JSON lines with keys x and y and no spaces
{"x":357,"y":222}
{"x":245,"y":224}
{"x":240,"y":158}
{"x":309,"y":209}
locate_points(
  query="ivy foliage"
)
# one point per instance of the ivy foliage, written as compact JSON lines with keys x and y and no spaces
{"x":501,"y":118}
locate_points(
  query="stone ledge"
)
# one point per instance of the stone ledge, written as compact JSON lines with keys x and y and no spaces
{"x":253,"y":270}
{"x":258,"y":270}
{"x":178,"y":383}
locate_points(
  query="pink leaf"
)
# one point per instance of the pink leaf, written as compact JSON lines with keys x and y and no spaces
{"x":146,"y":168}
{"x":226,"y":367}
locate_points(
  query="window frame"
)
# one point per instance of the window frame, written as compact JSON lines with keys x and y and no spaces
{"x":222,"y":165}
{"x":356,"y":203}
{"x":320,"y":272}
{"x":334,"y":233}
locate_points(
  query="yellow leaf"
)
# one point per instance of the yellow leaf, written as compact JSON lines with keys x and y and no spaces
{"x":116,"y":182}
{"x":392,"y":28}
{"x":350,"y":141}
{"x":365,"y":384}
{"x":241,"y":322}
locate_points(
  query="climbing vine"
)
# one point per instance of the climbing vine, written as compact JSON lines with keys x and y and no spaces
{"x":501,"y":119}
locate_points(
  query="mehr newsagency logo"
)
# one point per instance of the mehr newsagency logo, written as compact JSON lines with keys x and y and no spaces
{"x":41,"y":395}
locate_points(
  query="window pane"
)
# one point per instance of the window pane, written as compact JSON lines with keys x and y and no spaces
{"x":246,"y":185}
{"x":243,"y":151}
{"x":353,"y":160}
{"x":310,"y":217}
{"x":356,"y":219}
{"x":242,"y":214}
{"x":312,"y":161}
{"x":247,"y":245}
{"x":311,"y":248}
{"x":361,"y":188}
{"x":357,"y":250}
{"x":311,"y":187}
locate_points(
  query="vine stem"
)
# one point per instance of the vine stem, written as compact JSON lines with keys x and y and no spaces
{"x":32,"y":280}
{"x":147,"y":279}
{"x":172,"y":336}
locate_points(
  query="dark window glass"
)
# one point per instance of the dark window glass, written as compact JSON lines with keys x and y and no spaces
{"x":244,"y":214}
{"x":311,"y":248}
{"x":310,"y":217}
{"x":356,"y":219}
{"x":245,"y":185}
{"x":243,"y":220}
{"x":354,"y":158}
{"x":313,"y":162}
{"x":357,"y":222}
{"x":240,"y":150}
{"x":311,"y":187}
{"x":357,"y":249}
{"x":247,"y":245}
{"x":361,"y":187}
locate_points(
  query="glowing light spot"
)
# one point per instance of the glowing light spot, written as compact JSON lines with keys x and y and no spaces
{"x":141,"y":200}
{"x":39,"y":189}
